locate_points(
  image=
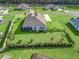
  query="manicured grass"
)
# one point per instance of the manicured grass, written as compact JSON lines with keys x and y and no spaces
{"x":3,"y":27}
{"x":56,"y":53}
{"x":7,"y":18}
{"x":37,"y":38}
{"x":55,"y":25}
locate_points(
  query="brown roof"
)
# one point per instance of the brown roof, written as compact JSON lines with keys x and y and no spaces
{"x":23,"y":5}
{"x":39,"y":56}
{"x":34,"y":19}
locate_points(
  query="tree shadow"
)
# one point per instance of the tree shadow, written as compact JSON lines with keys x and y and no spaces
{"x":19,"y":28}
{"x":72,"y":29}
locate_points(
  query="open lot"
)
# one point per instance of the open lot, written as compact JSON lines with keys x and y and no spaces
{"x":60,"y":20}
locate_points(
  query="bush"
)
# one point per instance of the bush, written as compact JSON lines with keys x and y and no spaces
{"x":30,"y":41}
{"x":19,"y":41}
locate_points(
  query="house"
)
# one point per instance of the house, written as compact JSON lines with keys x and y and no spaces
{"x":35,"y":22}
{"x":75,"y":23}
{"x":23,"y":6}
{"x":2,"y":8}
{"x":39,"y":56}
{"x":49,"y":6}
{"x":53,"y":7}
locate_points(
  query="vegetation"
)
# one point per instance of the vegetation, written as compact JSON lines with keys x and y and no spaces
{"x":42,"y":1}
{"x":22,"y":37}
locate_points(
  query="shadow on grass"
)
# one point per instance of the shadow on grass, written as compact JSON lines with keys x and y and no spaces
{"x":5,"y":34}
{"x":72,"y":29}
{"x":21,"y":31}
{"x":19,"y":28}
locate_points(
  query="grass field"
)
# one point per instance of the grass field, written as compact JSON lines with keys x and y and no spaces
{"x":58,"y":53}
{"x":37,"y":38}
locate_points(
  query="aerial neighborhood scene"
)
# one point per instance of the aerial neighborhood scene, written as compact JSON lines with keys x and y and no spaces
{"x":39,"y":29}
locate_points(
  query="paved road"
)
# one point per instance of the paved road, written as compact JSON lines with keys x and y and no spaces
{"x":73,"y":13}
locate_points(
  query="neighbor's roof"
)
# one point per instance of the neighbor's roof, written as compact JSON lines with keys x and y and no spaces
{"x":75,"y":21}
{"x":39,"y":56}
{"x":50,"y":5}
{"x":23,"y":5}
{"x":34,"y":19}
{"x":1,"y":7}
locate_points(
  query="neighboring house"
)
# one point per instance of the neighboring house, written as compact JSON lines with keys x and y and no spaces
{"x":23,"y":6}
{"x":2,"y":8}
{"x":49,"y":6}
{"x":39,"y":56}
{"x":75,"y":23}
{"x":53,"y":7}
{"x":35,"y":22}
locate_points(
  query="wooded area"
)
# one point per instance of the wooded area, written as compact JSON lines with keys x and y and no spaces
{"x":41,"y":1}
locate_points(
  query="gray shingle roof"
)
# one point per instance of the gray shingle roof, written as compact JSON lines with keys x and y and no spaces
{"x":23,"y":5}
{"x":75,"y":21}
{"x":34,"y":20}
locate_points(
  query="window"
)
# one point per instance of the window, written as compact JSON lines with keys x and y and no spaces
{"x":34,"y":27}
{"x":42,"y":27}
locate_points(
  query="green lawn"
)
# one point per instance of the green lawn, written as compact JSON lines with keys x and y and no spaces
{"x":37,"y":38}
{"x":71,"y":7}
{"x":61,"y":21}
{"x":3,"y":26}
{"x":56,"y":53}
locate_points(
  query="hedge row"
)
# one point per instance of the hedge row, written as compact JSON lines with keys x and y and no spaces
{"x":60,"y":45}
{"x":70,"y":40}
{"x":5,"y":34}
{"x":39,"y":45}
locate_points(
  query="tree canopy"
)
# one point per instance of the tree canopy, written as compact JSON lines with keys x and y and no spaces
{"x":41,"y":1}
